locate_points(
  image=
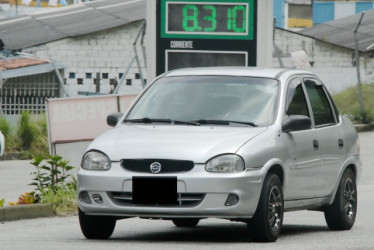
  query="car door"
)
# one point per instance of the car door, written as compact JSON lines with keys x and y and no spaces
{"x":330,"y":136}
{"x":304,"y":157}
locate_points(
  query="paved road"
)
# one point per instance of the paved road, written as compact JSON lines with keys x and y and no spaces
{"x":302,"y":230}
{"x":14,"y":179}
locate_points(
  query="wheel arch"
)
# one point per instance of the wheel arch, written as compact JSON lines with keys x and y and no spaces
{"x":350,"y":166}
{"x":353,"y":168}
{"x":277,"y":169}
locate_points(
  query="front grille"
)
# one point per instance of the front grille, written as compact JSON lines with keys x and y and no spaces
{"x":167,"y":166}
{"x":184,"y":199}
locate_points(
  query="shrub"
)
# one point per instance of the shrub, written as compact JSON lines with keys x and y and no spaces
{"x":63,"y":198}
{"x":30,"y":137}
{"x":348,"y":104}
{"x":11,"y":142}
{"x":53,"y":175}
{"x":27,"y":132}
{"x":26,"y":198}
{"x":52,"y":182}
{"x":5,"y":127}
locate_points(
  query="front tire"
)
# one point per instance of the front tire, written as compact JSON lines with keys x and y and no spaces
{"x":341,"y":214}
{"x":186,"y":222}
{"x":96,"y":227}
{"x":266,"y":224}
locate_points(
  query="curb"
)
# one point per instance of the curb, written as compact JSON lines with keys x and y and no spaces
{"x":364,"y":127}
{"x":30,"y":211}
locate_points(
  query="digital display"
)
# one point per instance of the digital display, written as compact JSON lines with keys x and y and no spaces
{"x":186,"y":59}
{"x":207,"y":19}
{"x":206,"y":33}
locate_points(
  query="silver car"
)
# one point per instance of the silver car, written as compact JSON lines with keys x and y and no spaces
{"x":243,"y":144}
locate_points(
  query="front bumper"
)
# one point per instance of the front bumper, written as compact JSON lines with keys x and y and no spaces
{"x":200,"y":194}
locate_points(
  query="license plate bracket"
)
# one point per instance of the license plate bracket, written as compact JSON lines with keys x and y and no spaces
{"x":154,"y":190}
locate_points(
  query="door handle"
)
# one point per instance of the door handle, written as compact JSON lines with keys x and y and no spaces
{"x":341,"y":143}
{"x":315,"y":145}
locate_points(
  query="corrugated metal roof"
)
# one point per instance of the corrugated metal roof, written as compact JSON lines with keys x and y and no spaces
{"x":340,"y":31}
{"x":30,"y":70}
{"x":46,"y":26}
{"x":19,"y":62}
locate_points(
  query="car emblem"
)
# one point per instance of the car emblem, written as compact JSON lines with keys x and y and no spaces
{"x":155,"y":167}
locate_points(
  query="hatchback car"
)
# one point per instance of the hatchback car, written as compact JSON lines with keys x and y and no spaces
{"x":243,"y":144}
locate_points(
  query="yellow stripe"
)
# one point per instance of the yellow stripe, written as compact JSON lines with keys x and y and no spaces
{"x":33,"y":3}
{"x":299,"y":23}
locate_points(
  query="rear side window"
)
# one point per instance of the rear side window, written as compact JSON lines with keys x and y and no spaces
{"x":322,"y":111}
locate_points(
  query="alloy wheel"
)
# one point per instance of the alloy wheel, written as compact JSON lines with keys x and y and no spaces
{"x":275,"y":208}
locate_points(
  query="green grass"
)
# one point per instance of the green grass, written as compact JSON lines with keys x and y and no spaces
{"x":30,"y":137}
{"x":348,"y":104}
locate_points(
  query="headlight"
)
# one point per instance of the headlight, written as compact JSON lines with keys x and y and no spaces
{"x":225,"y":164}
{"x":95,"y":160}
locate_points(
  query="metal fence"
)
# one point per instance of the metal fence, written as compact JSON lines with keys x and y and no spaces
{"x":28,"y":93}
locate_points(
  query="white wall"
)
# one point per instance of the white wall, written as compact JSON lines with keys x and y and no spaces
{"x":107,"y":51}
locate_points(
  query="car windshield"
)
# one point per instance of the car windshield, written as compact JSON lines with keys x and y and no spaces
{"x":208,"y":100}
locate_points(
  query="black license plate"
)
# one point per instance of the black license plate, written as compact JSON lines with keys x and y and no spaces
{"x":154,"y":191}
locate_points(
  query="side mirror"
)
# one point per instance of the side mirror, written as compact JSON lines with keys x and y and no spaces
{"x":113,"y":119}
{"x":296,"y":123}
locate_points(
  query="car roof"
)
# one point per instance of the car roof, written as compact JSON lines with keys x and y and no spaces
{"x":236,"y":71}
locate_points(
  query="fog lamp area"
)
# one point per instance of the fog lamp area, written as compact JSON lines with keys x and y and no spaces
{"x":231,"y":200}
{"x":97,"y":198}
{"x":85,"y":197}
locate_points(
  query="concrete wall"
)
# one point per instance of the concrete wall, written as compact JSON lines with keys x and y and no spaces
{"x":333,"y":64}
{"x":106,"y":52}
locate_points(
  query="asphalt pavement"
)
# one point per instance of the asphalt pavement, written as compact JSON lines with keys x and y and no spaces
{"x":15,"y":175}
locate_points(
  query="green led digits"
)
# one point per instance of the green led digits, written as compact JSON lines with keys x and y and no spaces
{"x":232,"y":16}
{"x":190,"y":22}
{"x":211,"y":18}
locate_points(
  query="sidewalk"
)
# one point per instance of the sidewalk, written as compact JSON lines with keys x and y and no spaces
{"x":15,"y":175}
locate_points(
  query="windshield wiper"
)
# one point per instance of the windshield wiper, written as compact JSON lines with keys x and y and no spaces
{"x":245,"y":123}
{"x":223,"y":122}
{"x":159,"y":120}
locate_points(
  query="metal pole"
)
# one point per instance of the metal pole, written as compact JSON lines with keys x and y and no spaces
{"x":357,"y":56}
{"x":140,"y":35}
{"x":97,"y":82}
{"x":16,"y":8}
{"x":59,"y":78}
{"x":276,"y":50}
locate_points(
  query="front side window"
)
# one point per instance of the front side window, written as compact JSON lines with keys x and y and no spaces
{"x":297,"y":104}
{"x":222,"y":98}
{"x":322,"y":111}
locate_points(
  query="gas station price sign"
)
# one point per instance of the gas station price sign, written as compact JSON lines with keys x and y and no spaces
{"x":205,"y":33}
{"x":207,"y":19}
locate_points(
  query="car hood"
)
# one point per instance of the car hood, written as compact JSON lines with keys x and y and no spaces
{"x":196,"y":143}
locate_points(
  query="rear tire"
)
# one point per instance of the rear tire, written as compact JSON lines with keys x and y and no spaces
{"x":96,"y":227}
{"x":341,"y":214}
{"x":186,"y":222}
{"x":266,"y":224}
